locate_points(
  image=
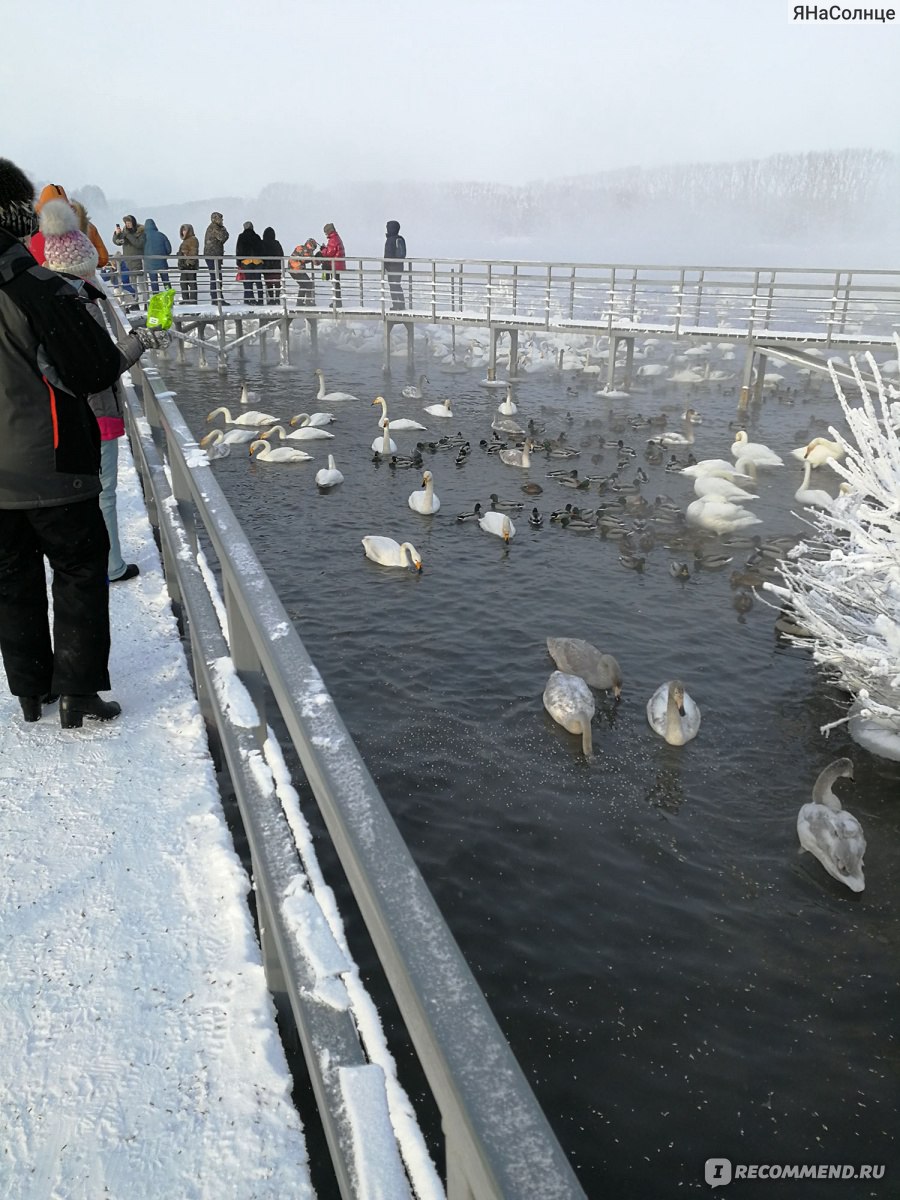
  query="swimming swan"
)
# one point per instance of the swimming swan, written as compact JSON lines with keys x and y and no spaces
{"x":718,"y":515}
{"x":401,"y":423}
{"x":818,"y":451}
{"x":812,"y":497}
{"x":330,"y":476}
{"x":307,"y":433}
{"x":425,"y":502}
{"x":316,"y":419}
{"x":265,"y":452}
{"x":724,"y":489}
{"x":329,"y":397}
{"x":415,"y":393}
{"x":518,"y":458}
{"x":230,"y":437}
{"x":753,"y":452}
{"x":575,"y":657}
{"x":568,"y":700}
{"x":834,"y":836}
{"x":440,"y":410}
{"x":508,"y":406}
{"x":499,"y":524}
{"x":251,"y":417}
{"x":673,"y":714}
{"x":385,"y":444}
{"x":388,"y":553}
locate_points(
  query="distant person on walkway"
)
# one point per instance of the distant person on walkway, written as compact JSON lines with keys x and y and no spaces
{"x":394,"y":253}
{"x":213,"y":249}
{"x":53,"y":355}
{"x":188,"y":262}
{"x":131,"y":239}
{"x":301,"y":269}
{"x":333,"y":249}
{"x":249,"y":260}
{"x":157,"y":248}
{"x":272,"y":265}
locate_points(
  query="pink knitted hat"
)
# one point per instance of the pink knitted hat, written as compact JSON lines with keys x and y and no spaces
{"x":66,"y":248}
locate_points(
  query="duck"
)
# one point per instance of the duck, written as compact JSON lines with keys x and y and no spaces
{"x":568,"y":700}
{"x":757,"y":453}
{"x":518,"y":458}
{"x":317,"y":419}
{"x":425,"y":501}
{"x":330,"y":476}
{"x":634,"y":562}
{"x":819,"y":451}
{"x":388,"y":553}
{"x":475,"y":514}
{"x":576,"y":520}
{"x":704,"y":561}
{"x":673,"y":714}
{"x":308,"y":433}
{"x":532,"y":489}
{"x":396,"y":423}
{"x":535,"y":520}
{"x":265,"y":452}
{"x":401,"y":461}
{"x":719,"y":516}
{"x":385,"y":445}
{"x":742,"y":601}
{"x":577,"y":657}
{"x":830,"y":833}
{"x":511,"y":505}
{"x":251,"y":417}
{"x":812,"y":497}
{"x":507,"y":407}
{"x":679,"y":570}
{"x":413,"y":391}
{"x":329,"y":397}
{"x":498,"y":524}
{"x":440,"y":410}
{"x":229,"y":437}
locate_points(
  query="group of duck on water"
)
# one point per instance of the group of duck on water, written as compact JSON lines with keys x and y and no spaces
{"x":831,"y":834}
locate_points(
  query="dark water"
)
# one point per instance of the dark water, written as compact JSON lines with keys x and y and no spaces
{"x":676,"y":982}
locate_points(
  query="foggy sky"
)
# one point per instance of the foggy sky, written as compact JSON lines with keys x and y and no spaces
{"x":183,"y":99}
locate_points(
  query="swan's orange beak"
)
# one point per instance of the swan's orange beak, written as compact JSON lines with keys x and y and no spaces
{"x":418,"y":564}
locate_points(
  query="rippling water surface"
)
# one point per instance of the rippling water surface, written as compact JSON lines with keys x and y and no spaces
{"x":675,"y":980}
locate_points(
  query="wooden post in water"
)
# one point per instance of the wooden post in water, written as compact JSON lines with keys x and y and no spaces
{"x":410,"y":343}
{"x":746,"y":379}
{"x":222,"y":364}
{"x":629,"y":362}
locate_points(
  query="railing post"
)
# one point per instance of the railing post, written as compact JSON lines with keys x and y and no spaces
{"x":699,"y":303}
{"x":846,"y":304}
{"x":678,"y":311}
{"x":489,"y":286}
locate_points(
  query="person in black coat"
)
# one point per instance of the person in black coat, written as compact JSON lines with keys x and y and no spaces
{"x":249,"y":250}
{"x":394,"y":253}
{"x":272,"y":265}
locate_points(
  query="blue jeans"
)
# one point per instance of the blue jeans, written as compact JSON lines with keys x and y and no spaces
{"x":109,"y":475}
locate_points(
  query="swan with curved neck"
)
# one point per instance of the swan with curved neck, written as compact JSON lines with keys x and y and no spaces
{"x":818,"y":451}
{"x":498,"y":524}
{"x":329,"y":397}
{"x":307,"y":433}
{"x":757,"y":453}
{"x":673,"y":714}
{"x":388,"y":553}
{"x":263,"y":451}
{"x":401,"y":423}
{"x":830,"y":833}
{"x":518,"y":458}
{"x":576,"y":657}
{"x":812,"y":497}
{"x":316,"y":419}
{"x":251,"y":417}
{"x":413,"y":391}
{"x":568,"y":700}
{"x":440,"y":410}
{"x":425,"y":502}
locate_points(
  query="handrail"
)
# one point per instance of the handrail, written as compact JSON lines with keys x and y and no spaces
{"x":499,"y":1145}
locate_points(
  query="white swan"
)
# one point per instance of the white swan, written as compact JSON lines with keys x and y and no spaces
{"x":508,"y":406}
{"x":575,"y":657}
{"x":277,"y":454}
{"x":673,"y":714}
{"x":876,"y":732}
{"x":388,"y":553}
{"x":317,"y":419}
{"x":518,"y":458}
{"x":568,"y":700}
{"x":834,"y":836}
{"x":425,"y":502}
{"x":248,"y":397}
{"x":329,"y":397}
{"x":215,"y":445}
{"x":719,"y":468}
{"x":724,"y":489}
{"x":440,"y":410}
{"x":754,"y":452}
{"x":499,"y":524}
{"x":812,"y":497}
{"x":401,"y":423}
{"x":385,"y":444}
{"x":412,"y":392}
{"x":307,"y":433}
{"x":818,"y":451}
{"x":719,"y":516}
{"x":330,"y":476}
{"x":672,"y":438}
{"x":229,"y":437}
{"x":245,"y":418}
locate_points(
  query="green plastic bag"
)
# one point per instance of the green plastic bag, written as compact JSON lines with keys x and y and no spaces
{"x":159,"y":310}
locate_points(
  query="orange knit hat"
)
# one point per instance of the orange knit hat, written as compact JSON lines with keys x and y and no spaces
{"x":53,"y":191}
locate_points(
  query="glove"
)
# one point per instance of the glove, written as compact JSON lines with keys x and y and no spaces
{"x":152,"y":339}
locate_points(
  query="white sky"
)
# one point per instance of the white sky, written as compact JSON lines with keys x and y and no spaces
{"x":184,"y":99}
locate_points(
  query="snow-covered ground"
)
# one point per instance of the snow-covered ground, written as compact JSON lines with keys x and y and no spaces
{"x":138,"y":1045}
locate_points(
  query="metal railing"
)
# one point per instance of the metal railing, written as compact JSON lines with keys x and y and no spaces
{"x":498,"y":1142}
{"x":829,"y":307}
